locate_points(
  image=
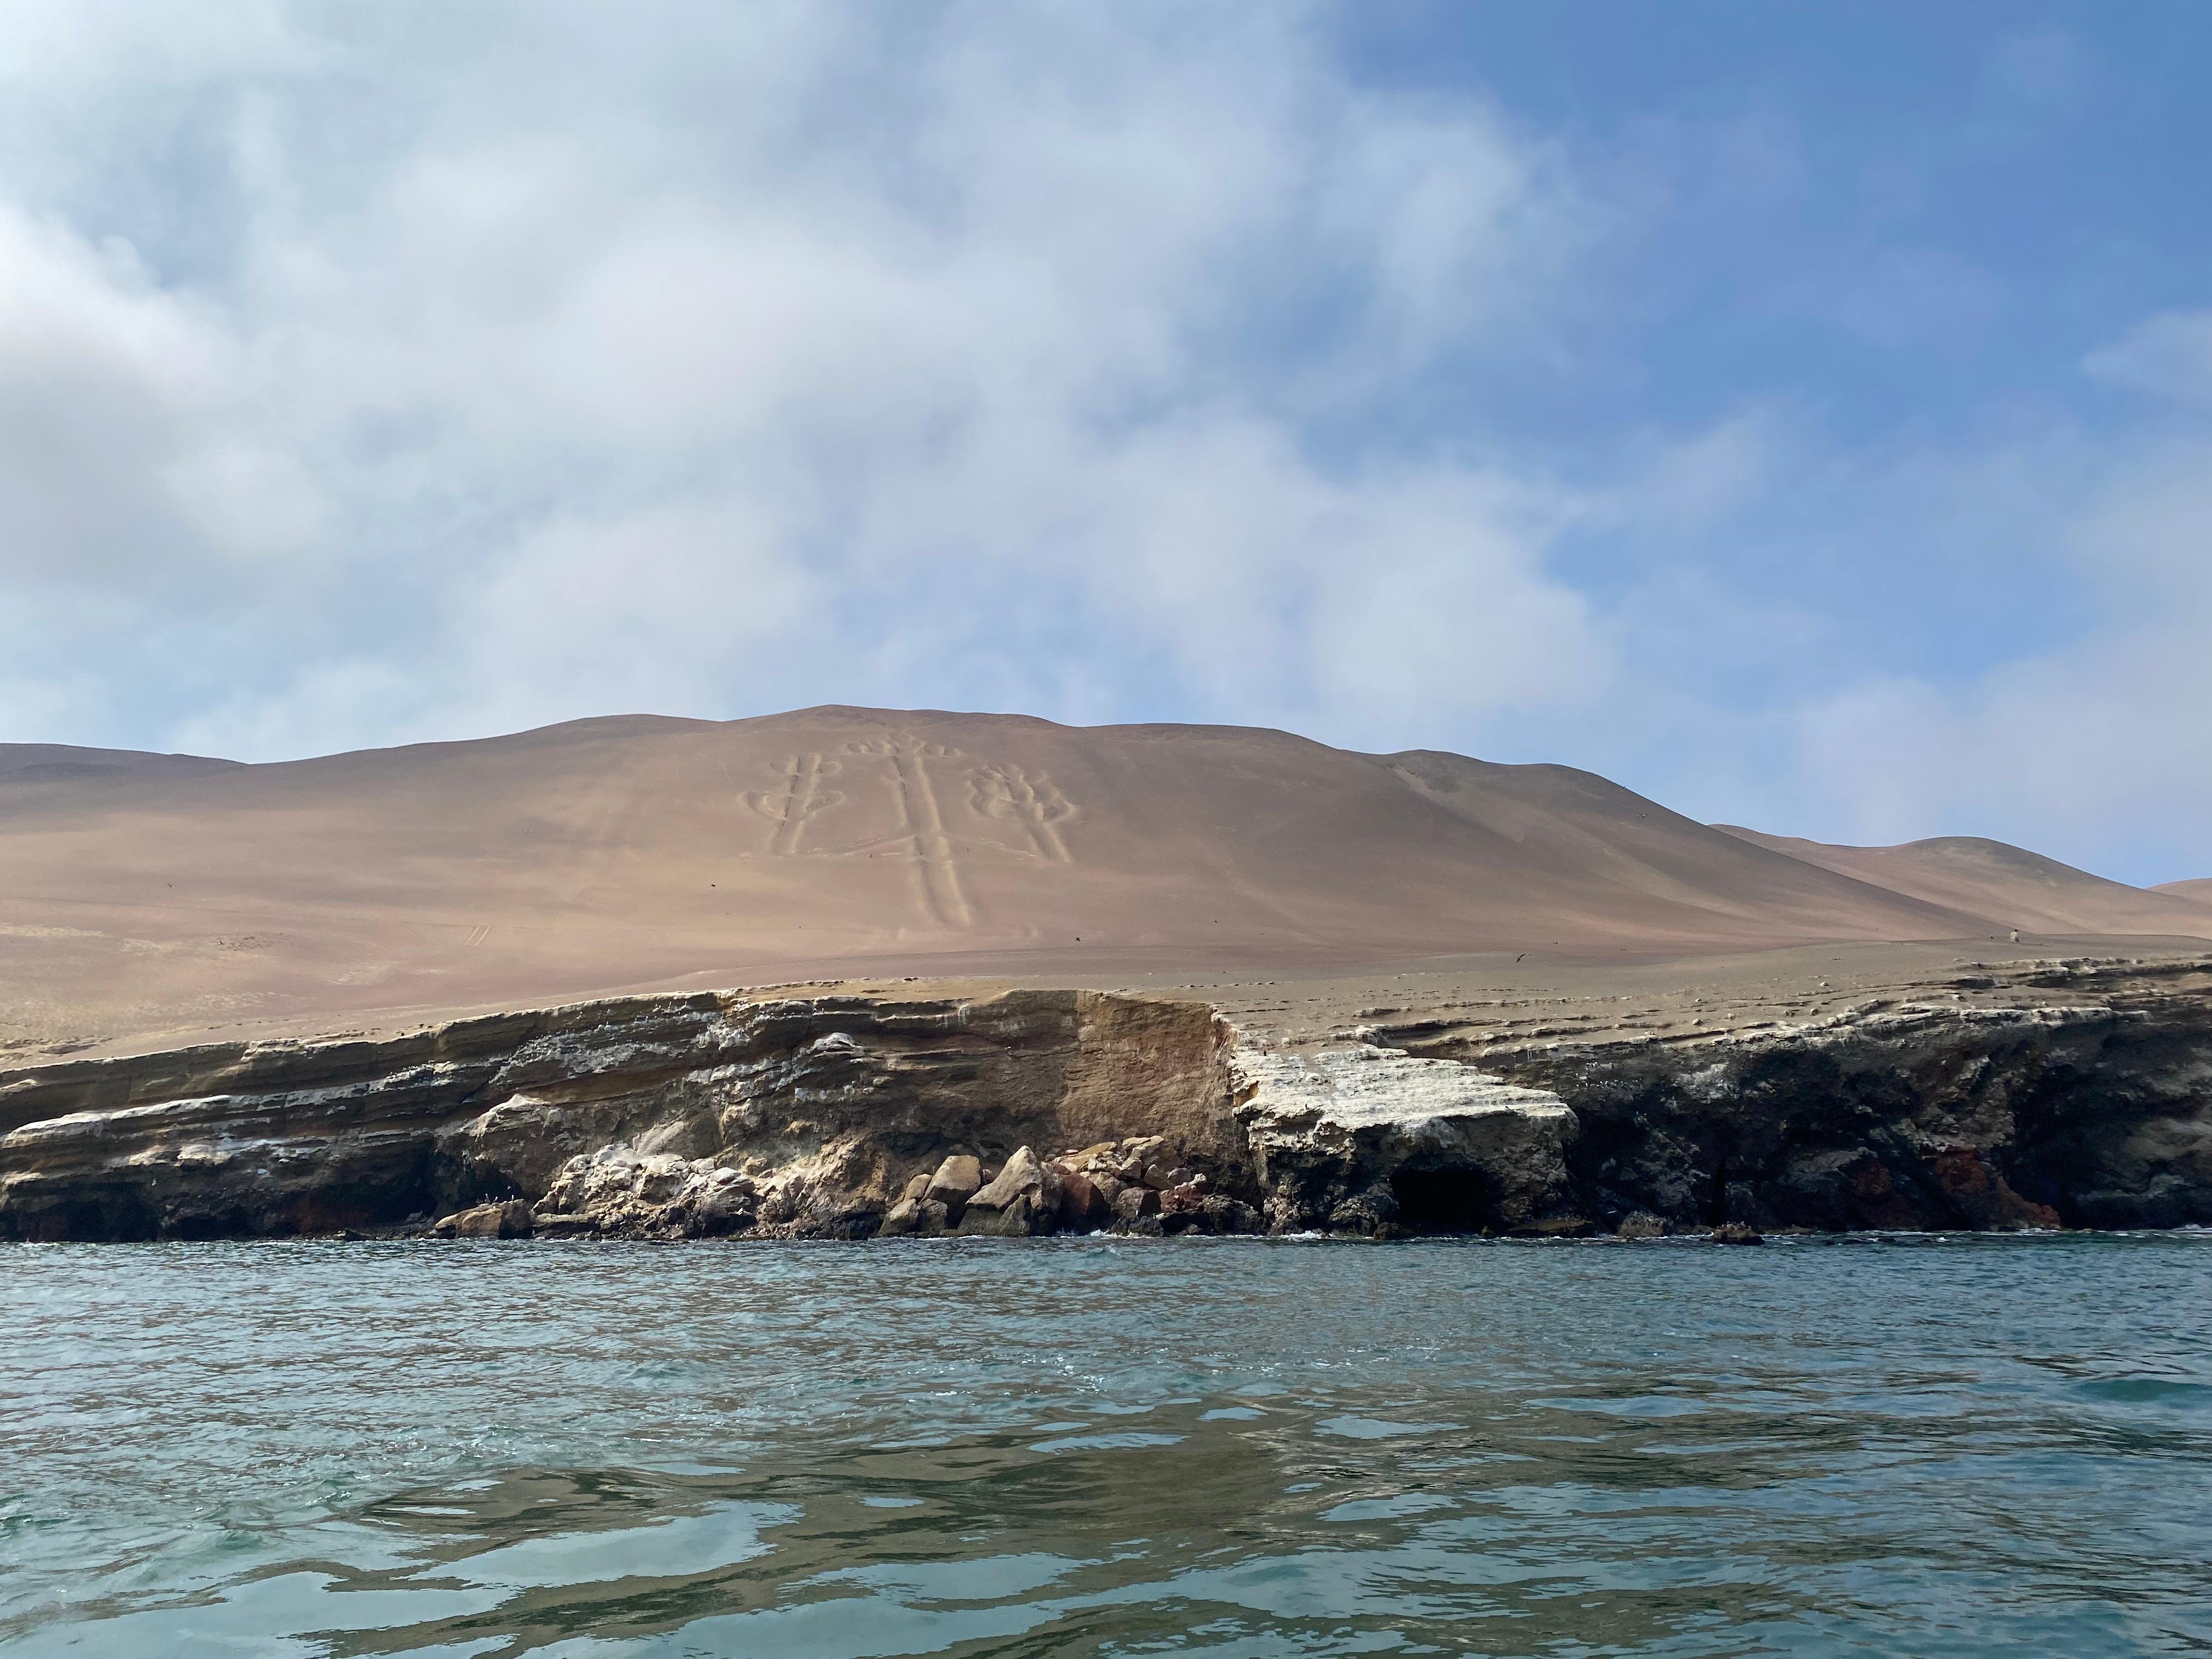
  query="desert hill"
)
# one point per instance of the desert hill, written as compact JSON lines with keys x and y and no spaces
{"x":2198,"y":891}
{"x":2008,"y":884}
{"x":145,"y":894}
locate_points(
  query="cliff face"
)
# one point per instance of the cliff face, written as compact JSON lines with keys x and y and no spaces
{"x":820,"y":1106}
{"x":2075,"y":1094}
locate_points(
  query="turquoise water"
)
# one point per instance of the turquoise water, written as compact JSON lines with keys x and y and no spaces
{"x":1228,"y":1448}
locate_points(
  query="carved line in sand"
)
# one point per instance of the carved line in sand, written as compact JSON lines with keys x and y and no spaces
{"x":996,"y":793}
{"x":1009,"y":793}
{"x":800,"y":798}
{"x":937,"y":873}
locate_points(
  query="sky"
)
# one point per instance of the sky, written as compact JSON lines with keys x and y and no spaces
{"x":1802,"y":415}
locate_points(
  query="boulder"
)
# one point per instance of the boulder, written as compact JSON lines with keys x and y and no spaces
{"x":1135,"y":1201}
{"x":917,"y":1188}
{"x":1132,"y":1156}
{"x":957,"y":1181}
{"x":616,"y":1193}
{"x":1642,"y":1224}
{"x":560,"y":1224}
{"x":719,"y":1202}
{"x":907,"y":1216}
{"x":1022,"y":1174}
{"x":1181,"y":1206}
{"x":1735,"y":1232}
{"x":1020,"y":1219}
{"x":510,"y":1219}
{"x":1365,"y":1211}
{"x":1081,"y":1202}
{"x":1023,"y":1198}
{"x":917,"y":1217}
{"x":1554,"y":1226}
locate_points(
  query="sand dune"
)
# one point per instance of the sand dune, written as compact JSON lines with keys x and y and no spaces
{"x":142,"y":894}
{"x":2009,"y":885}
{"x":2198,"y":891}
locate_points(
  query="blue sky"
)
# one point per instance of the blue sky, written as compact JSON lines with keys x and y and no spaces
{"x":1802,"y":414}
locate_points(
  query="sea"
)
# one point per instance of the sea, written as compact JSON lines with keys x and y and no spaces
{"x":1911,"y":1445}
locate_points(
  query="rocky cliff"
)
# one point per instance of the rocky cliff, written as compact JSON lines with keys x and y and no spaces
{"x":2069,"y":1093}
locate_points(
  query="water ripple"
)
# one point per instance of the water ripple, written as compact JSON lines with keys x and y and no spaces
{"x":1072,"y":1448}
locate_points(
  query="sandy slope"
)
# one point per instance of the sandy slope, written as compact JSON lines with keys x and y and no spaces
{"x":142,"y":894}
{"x":2008,"y":884}
{"x":2196,"y":891}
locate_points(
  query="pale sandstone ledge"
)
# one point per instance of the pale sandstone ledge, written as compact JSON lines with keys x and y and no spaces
{"x":2074,"y":1092}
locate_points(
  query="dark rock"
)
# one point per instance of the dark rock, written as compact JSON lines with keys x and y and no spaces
{"x":1136,"y":1202}
{"x":1735,"y":1232}
{"x":1082,"y":1205}
{"x":1364,"y":1212}
{"x":1561,"y":1226}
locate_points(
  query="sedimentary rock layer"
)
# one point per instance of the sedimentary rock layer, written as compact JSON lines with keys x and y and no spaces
{"x":2072,"y":1093}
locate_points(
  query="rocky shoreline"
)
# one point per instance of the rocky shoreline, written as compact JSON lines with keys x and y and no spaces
{"x":2065,"y":1093}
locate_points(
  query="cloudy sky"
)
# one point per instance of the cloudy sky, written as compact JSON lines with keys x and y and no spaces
{"x":1803,"y":415}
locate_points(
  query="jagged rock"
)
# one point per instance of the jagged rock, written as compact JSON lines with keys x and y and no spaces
{"x":823,"y":1101}
{"x":1023,"y":1199}
{"x":508,"y":1220}
{"x":1368,"y":1212}
{"x":1189,"y":1204}
{"x":1735,"y":1232}
{"x":619,"y":1194}
{"x":1134,"y":1155}
{"x":1358,"y":1138}
{"x":2085,"y":1100}
{"x":1133,"y":1203}
{"x":1023,"y":1175}
{"x":1642,"y":1224}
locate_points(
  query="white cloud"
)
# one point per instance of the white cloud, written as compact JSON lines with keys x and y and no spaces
{"x":725,"y":361}
{"x":2093,"y":749}
{"x":2169,"y":355}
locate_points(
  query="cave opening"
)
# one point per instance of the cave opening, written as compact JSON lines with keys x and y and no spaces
{"x":1444,"y":1200}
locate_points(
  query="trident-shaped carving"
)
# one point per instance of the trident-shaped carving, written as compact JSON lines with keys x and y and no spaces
{"x":1010,"y":795}
{"x":921,"y":824}
{"x":799,"y":798}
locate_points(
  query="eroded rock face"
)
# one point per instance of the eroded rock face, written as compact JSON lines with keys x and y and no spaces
{"x":1366,"y":1139}
{"x":659,"y":1117}
{"x":2089,"y":1106}
{"x":2086,"y":1101}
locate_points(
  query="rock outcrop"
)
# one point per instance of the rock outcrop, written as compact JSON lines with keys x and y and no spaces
{"x":2076,"y":1093}
{"x":2065,"y":1094}
{"x":780,"y":1115}
{"x":1366,"y":1140}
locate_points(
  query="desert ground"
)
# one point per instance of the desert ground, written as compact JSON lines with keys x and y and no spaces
{"x":150,"y":901}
